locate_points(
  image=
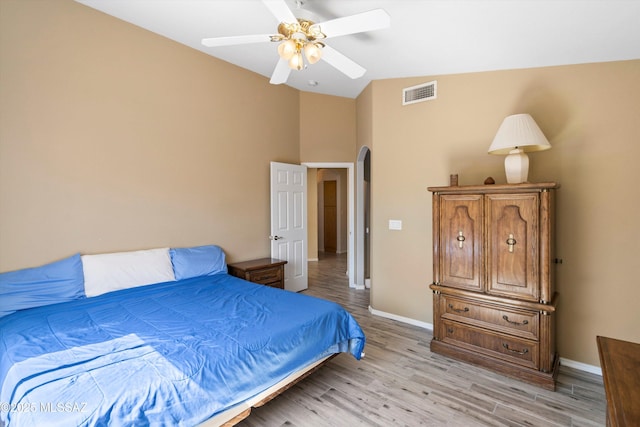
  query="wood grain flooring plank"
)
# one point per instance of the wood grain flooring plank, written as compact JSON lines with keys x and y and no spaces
{"x":524,"y":418}
{"x":525,"y":404}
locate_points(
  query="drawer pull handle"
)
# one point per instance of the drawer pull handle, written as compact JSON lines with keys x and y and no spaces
{"x":459,"y":310}
{"x":506,"y":346}
{"x":524,"y":322}
{"x":511,"y":242}
{"x":450,"y":330}
{"x":460,"y":239}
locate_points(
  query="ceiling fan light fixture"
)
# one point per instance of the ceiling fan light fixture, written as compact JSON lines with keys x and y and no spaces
{"x":313,"y":52}
{"x":296,"y":62}
{"x":287,"y":49}
{"x":297,"y":37}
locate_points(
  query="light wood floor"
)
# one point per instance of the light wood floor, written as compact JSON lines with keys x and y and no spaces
{"x":401,"y":383}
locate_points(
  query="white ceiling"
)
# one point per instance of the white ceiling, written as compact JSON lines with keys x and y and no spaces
{"x":426,"y":37}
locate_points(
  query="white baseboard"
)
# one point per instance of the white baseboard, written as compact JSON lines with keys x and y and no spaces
{"x":402,"y":319}
{"x":312,"y":259}
{"x":581,"y":366}
{"x":564,"y":362}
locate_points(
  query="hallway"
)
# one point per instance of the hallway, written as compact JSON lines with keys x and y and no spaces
{"x":328,"y":279}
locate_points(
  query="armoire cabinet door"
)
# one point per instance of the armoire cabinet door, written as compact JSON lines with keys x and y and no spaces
{"x":513,"y":245}
{"x":461,"y":241}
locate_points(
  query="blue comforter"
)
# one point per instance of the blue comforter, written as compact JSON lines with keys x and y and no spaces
{"x":167,"y":354}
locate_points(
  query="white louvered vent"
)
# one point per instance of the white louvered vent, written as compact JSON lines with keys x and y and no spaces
{"x":420,"y":93}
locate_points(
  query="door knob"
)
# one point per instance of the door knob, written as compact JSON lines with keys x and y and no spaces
{"x":276,"y":237}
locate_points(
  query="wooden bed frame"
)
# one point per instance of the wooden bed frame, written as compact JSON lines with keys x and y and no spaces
{"x":234,"y":415}
{"x":241,"y":411}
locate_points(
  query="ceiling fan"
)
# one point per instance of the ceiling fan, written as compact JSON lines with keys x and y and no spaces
{"x":301,"y":39}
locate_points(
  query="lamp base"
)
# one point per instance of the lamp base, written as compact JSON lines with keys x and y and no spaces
{"x":516,"y":166}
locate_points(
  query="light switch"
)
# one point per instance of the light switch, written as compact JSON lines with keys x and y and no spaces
{"x":395,"y":224}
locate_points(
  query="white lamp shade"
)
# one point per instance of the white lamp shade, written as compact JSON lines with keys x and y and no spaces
{"x":518,"y":131}
{"x":517,"y":135}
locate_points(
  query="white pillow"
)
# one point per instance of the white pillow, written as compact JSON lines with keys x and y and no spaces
{"x":120,"y":270}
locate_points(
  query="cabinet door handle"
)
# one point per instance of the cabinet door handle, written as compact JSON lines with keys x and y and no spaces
{"x":511,"y":242}
{"x":506,"y":346}
{"x":460,"y":239}
{"x":458,"y":310}
{"x":524,"y":322}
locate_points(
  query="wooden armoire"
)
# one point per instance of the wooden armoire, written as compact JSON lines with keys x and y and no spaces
{"x":494,"y":301}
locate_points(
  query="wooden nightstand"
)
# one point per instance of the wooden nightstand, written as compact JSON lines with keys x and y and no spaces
{"x":264,"y":271}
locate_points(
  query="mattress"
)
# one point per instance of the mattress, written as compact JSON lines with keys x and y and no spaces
{"x":174,"y":353}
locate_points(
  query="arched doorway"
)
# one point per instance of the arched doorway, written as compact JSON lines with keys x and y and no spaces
{"x":363,"y":209}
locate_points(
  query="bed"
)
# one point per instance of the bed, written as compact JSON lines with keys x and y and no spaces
{"x":203,"y":347}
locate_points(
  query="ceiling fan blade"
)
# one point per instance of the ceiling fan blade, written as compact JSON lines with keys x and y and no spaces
{"x":234,"y":40}
{"x":280,"y":10}
{"x":367,"y":21}
{"x":342,"y":63}
{"x":281,"y":72}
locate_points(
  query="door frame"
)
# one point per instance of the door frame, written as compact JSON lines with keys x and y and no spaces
{"x":350,"y":213}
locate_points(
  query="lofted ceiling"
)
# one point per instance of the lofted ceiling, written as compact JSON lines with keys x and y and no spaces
{"x":426,"y":37}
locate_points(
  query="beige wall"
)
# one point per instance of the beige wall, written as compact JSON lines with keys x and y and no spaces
{"x":114,"y":138}
{"x":327,"y":128}
{"x":590,"y":114}
{"x":364,"y":121}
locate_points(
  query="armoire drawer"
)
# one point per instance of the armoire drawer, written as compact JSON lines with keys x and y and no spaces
{"x":501,"y":346}
{"x":522,"y":323}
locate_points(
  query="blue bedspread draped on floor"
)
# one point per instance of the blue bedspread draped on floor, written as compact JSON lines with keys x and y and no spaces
{"x":167,"y":354}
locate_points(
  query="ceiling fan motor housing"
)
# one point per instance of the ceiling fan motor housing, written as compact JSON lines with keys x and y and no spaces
{"x":303,"y":29}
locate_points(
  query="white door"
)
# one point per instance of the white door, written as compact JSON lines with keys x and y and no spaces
{"x":289,"y":222}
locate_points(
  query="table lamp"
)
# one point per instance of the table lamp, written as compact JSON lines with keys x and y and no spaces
{"x":517,"y":135}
